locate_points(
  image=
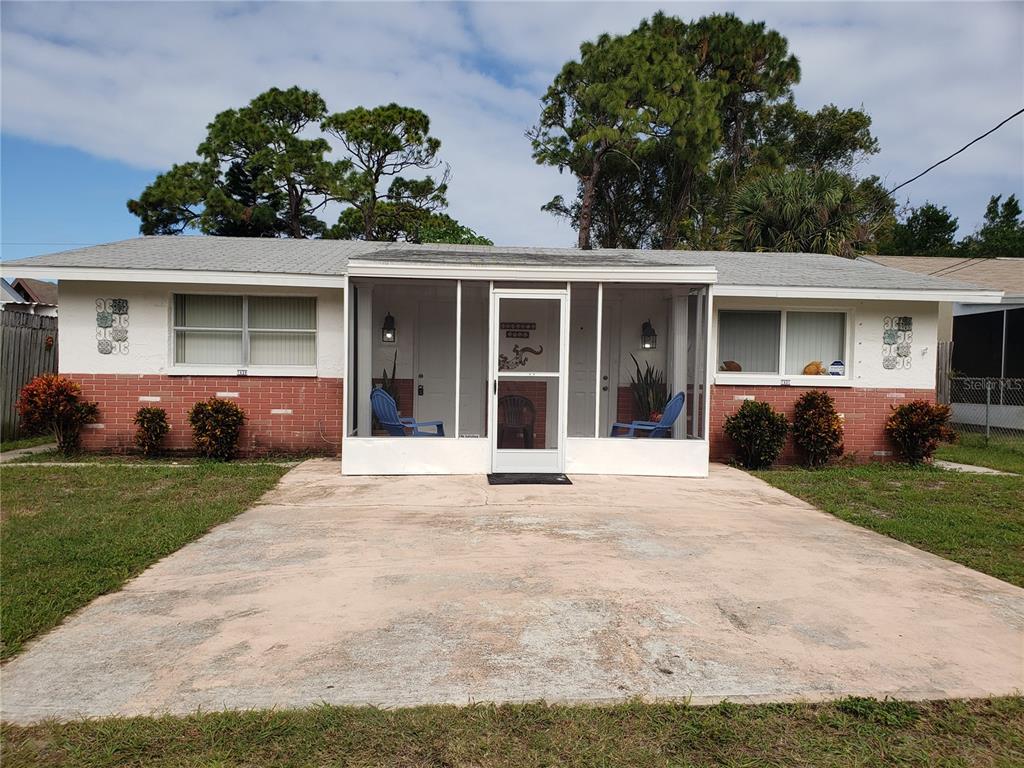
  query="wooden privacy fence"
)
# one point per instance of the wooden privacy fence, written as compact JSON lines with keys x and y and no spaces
{"x":28,"y":347}
{"x":944,"y":371}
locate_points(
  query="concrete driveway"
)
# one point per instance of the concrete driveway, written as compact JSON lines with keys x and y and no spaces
{"x":412,"y":590}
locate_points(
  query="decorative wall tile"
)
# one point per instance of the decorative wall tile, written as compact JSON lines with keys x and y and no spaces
{"x":112,"y":326}
{"x":897,"y":336}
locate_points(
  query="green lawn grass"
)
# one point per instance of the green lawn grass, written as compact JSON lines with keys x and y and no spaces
{"x":977,"y":520}
{"x":70,"y":534}
{"x":25,"y":442}
{"x":56,"y":457}
{"x":860,"y":732}
{"x":999,"y":452}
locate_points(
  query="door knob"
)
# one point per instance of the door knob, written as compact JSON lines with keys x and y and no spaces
{"x":419,"y":390}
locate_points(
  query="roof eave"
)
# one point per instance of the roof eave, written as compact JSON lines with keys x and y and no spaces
{"x":960,"y":295}
{"x":201,"y":277}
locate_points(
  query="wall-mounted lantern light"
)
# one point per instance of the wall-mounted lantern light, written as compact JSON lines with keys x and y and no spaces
{"x":388,"y":334}
{"x":648,"y":338}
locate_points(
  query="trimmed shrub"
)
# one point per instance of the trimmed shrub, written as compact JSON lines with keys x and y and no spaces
{"x":216,"y":425}
{"x":759,"y":432}
{"x":817,"y":428}
{"x":916,"y":429}
{"x":151,"y":428}
{"x":52,"y":404}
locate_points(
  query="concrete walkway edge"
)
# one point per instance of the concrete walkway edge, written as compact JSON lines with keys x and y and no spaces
{"x":954,"y":466}
{"x":17,"y":454}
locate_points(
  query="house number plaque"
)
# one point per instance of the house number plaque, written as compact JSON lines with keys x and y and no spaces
{"x":517,"y":330}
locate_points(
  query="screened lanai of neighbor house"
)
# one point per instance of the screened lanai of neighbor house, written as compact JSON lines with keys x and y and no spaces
{"x":518,"y":363}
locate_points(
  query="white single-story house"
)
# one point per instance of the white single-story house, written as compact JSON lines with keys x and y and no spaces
{"x":524,"y":355}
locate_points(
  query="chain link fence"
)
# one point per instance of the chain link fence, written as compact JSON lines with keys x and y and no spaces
{"x":987,"y":406}
{"x":985,"y":409}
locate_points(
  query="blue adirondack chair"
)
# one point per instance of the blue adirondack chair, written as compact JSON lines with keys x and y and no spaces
{"x":661,"y":428}
{"x":386,"y":411}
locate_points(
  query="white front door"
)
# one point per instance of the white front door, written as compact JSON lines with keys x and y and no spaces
{"x":529,"y":351}
{"x":582,"y":364}
{"x":435,"y":363}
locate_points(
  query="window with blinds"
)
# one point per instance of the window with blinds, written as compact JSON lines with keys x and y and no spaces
{"x":245,"y":331}
{"x":755,"y":341}
{"x":814,"y":337}
{"x":748,"y":342}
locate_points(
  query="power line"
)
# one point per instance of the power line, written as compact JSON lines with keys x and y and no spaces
{"x":965,"y":146}
{"x":956,"y":266}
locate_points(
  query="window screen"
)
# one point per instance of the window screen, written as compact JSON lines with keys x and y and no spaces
{"x":244,"y":330}
{"x":208,"y":330}
{"x":748,"y":342}
{"x":282,"y":330}
{"x":814,"y":337}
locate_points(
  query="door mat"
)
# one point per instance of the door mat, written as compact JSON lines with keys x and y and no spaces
{"x":527,"y":478}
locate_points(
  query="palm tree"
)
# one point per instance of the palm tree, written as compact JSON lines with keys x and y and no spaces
{"x":824,"y":212}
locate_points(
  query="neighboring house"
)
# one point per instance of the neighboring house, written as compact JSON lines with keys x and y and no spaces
{"x":525,"y":354}
{"x":988,"y":339}
{"x":35,"y":297}
{"x":8,"y":295}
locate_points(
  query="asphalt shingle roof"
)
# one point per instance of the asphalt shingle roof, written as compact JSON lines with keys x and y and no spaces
{"x":331,"y":258}
{"x":1000,"y":274}
{"x":38,"y":291}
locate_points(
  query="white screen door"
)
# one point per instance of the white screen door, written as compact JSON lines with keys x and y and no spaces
{"x":528,"y":368}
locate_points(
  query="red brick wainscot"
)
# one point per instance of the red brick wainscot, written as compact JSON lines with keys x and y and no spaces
{"x":287,"y":414}
{"x":864,"y":414}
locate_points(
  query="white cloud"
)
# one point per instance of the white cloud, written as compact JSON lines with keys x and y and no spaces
{"x":138,"y":82}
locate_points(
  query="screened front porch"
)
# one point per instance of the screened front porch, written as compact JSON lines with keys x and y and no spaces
{"x":477,"y":376}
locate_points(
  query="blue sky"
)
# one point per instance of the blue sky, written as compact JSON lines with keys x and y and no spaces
{"x":97,"y":97}
{"x":55,"y":198}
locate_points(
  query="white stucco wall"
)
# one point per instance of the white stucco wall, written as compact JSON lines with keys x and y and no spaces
{"x":867,"y":319}
{"x":149,"y":330}
{"x":635,"y":306}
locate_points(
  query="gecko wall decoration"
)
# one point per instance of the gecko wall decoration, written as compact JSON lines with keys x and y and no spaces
{"x":519,"y":358}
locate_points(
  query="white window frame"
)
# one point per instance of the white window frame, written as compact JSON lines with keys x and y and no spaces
{"x":781,"y":378}
{"x":243,"y":368}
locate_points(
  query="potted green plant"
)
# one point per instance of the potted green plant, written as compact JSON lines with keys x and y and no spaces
{"x":649,"y":391}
